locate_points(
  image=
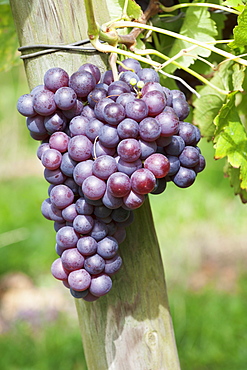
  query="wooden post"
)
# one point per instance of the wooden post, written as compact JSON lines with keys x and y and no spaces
{"x":130,"y":328}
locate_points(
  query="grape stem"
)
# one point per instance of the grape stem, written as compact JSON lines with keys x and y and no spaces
{"x":206,"y":5}
{"x":212,"y":48}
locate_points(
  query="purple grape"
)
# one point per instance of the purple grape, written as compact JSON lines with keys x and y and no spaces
{"x":113,"y":265}
{"x":149,"y":129}
{"x":127,"y":222}
{"x":67,"y":165}
{"x":184,"y":178}
{"x":158,"y":164}
{"x":80,"y":148}
{"x":82,"y":82}
{"x":83,"y":224}
{"x":104,"y":166}
{"x":55,"y":122}
{"x":128,"y":167}
{"x":120,"y":215}
{"x":45,"y":208}
{"x":142,"y":181}
{"x":87,"y":245}
{"x":107,"y":247}
{"x":178,"y":94}
{"x":25,"y":105}
{"x":99,"y":149}
{"x":51,"y":159}
{"x":129,"y":150}
{"x":65,"y":98}
{"x":58,"y":271}
{"x":83,"y":170}
{"x":93,"y":69}
{"x":93,"y":129}
{"x":189,"y":157}
{"x":67,"y":237}
{"x":160,"y":186}
{"x":163,"y":141}
{"x":93,"y":187}
{"x":36,"y":125}
{"x":102,"y":211}
{"x":176,"y":146}
{"x":95,"y":96}
{"x":55,"y":177}
{"x":169,"y":122}
{"x":107,"y":77}
{"x":129,"y":77}
{"x":69,"y":213}
{"x":128,"y":128}
{"x":90,"y":298}
{"x":72,"y":259}
{"x":147,"y":148}
{"x":94,"y":264}
{"x":79,"y":294}
{"x":148,"y":75}
{"x":41,"y":149}
{"x":133,"y":200}
{"x":174,"y":164}
{"x":168,"y":95}
{"x":155,"y":101}
{"x":110,"y":201}
{"x":44,"y":103}
{"x":79,"y":279}
{"x":124,"y":98}
{"x":108,"y":136}
{"x":88,"y":112}
{"x":83,"y":207}
{"x":117,"y":88}
{"x":100,"y":106}
{"x":151,"y":86}
{"x":100,"y":285}
{"x":136,"y":109}
{"x":201,"y":164}
{"x":76,"y":110}
{"x":59,"y":141}
{"x":61,"y":196}
{"x":55,"y":78}
{"x":70,"y":183}
{"x":118,"y":184}
{"x":114,"y":113}
{"x":56,"y":214}
{"x":99,"y":230}
{"x":131,"y":64}
{"x":181,"y":108}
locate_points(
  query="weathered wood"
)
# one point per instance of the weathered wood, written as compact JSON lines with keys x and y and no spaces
{"x":131,"y":327}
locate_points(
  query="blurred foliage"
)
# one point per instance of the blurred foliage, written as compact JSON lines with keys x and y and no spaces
{"x":9,"y":56}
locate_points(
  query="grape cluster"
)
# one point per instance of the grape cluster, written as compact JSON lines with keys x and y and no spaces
{"x":105,"y":145}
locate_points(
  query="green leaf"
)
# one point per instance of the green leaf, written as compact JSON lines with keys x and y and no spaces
{"x":115,"y":9}
{"x":8,"y":39}
{"x":231,"y":141}
{"x":199,"y":26}
{"x":240,"y":31}
{"x":235,"y":4}
{"x":234,"y":174}
{"x":238,"y":76}
{"x":209,"y":104}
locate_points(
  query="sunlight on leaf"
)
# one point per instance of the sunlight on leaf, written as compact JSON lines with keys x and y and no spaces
{"x":115,"y":8}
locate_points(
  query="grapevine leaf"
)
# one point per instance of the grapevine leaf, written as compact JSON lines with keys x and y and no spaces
{"x":199,"y":26}
{"x":238,"y":77}
{"x":208,"y":105}
{"x":231,"y":141}
{"x":115,"y":9}
{"x":233,"y":174}
{"x":235,"y":4}
{"x":240,"y":31}
{"x":8,"y":39}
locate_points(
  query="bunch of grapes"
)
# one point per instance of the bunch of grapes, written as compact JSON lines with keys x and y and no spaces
{"x":105,"y":145}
